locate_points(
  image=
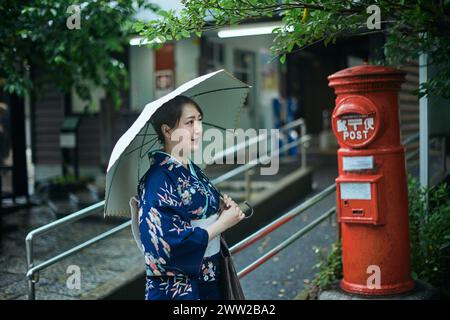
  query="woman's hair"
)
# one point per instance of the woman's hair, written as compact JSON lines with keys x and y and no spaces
{"x":170,"y":113}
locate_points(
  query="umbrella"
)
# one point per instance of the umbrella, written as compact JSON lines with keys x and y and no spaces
{"x":221,"y":97}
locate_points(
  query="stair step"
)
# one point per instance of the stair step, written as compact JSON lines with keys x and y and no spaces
{"x":413,"y":146}
{"x":409,"y":117}
{"x":413,"y":69}
{"x":412,"y":77}
{"x":410,"y":127}
{"x":410,"y":87}
{"x":407,"y":96}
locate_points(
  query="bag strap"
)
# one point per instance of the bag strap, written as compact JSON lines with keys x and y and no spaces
{"x":134,"y":206}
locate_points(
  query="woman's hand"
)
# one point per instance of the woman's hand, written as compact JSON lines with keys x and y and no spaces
{"x":231,"y":216}
{"x":228,"y":201}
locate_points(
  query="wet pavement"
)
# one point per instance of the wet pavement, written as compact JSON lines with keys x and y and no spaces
{"x":98,"y":263}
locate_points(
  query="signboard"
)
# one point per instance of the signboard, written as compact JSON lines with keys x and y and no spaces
{"x":355,"y":129}
{"x":67,"y":140}
{"x":355,"y":121}
{"x":164,"y":81}
{"x":355,"y":191}
{"x":357,"y":163}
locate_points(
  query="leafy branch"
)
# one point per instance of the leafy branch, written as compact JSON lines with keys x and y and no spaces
{"x":311,"y":21}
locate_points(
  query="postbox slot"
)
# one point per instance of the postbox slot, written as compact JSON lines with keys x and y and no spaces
{"x":359,"y":199}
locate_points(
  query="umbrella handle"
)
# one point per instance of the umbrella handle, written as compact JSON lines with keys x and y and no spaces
{"x":245,"y":210}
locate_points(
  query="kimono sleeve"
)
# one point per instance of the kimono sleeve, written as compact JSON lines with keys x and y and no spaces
{"x":170,"y":243}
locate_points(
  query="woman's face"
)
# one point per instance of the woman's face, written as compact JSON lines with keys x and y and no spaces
{"x":189,"y":128}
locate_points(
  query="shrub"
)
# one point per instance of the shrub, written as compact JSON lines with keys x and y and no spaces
{"x":429,"y":220}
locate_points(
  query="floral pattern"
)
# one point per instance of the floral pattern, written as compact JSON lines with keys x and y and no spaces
{"x":209,"y":270}
{"x":171,"y":196}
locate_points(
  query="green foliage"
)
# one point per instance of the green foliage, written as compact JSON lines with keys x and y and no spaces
{"x":330,"y":267}
{"x":71,"y":179}
{"x":34,"y":38}
{"x":430,"y":234}
{"x":307,"y":22}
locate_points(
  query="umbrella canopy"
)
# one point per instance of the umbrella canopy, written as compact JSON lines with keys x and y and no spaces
{"x":219,"y":94}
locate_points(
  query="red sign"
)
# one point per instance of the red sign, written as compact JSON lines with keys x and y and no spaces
{"x":355,"y":130}
{"x":355,"y":122}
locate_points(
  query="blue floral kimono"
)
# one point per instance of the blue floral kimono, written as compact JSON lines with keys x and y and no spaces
{"x":175,"y":202}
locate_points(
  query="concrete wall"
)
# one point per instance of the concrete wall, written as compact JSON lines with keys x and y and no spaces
{"x":259,"y":45}
{"x":187,"y":55}
{"x":142,"y":78}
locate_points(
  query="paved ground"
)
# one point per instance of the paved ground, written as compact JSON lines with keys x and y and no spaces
{"x":284,"y":276}
{"x":116,"y":259}
{"x":98,"y":264}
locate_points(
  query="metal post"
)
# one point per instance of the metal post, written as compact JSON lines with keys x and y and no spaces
{"x":248,"y":184}
{"x":423,"y":124}
{"x":423,"y":128}
{"x":31,"y":289}
{"x":444,"y":159}
{"x":30,"y":262}
{"x":302,"y":146}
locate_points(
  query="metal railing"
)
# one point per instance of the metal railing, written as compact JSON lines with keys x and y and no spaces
{"x":435,"y":141}
{"x":282,"y":220}
{"x":285,"y":243}
{"x":287,"y":217}
{"x":33,"y":270}
{"x":278,"y":223}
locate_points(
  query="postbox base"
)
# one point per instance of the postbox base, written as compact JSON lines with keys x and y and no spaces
{"x":383,"y":290}
{"x":421,"y":291}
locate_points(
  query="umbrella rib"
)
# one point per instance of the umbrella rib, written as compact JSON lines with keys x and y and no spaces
{"x":218,"y":90}
{"x":115,"y":171}
{"x":150,"y":141}
{"x":155,"y":142}
{"x":140,"y":151}
{"x":110,"y":186}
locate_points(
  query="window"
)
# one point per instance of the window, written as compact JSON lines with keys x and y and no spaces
{"x":244,"y":62}
{"x":214,"y":55}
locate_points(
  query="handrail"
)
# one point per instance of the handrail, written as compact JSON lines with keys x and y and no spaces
{"x":298,"y":122}
{"x":282,"y":220}
{"x":285,"y":243}
{"x":285,"y":218}
{"x":243,"y":168}
{"x":57,"y":224}
{"x":411,"y":155}
{"x":77,"y":248}
{"x":411,"y":139}
{"x":33,"y":270}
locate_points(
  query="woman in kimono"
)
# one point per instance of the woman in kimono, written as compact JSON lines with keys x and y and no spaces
{"x":179,"y":222}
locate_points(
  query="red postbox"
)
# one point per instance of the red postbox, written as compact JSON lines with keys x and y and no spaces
{"x":371,"y":190}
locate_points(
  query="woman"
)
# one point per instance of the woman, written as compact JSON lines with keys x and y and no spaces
{"x":179,"y":222}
